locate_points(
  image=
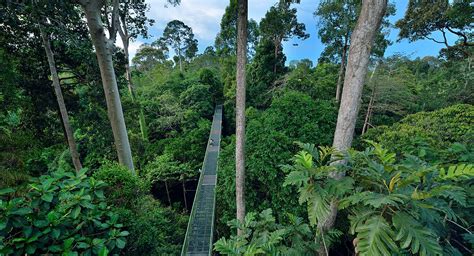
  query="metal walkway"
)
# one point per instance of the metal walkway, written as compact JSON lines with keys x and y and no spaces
{"x":198,"y":240}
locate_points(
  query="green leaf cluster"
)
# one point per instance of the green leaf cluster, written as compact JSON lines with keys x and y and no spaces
{"x":62,"y":213}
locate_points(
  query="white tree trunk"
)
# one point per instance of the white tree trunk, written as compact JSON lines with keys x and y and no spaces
{"x":128,"y":76}
{"x":362,"y":40}
{"x":103,"y":47}
{"x":359,"y":52}
{"x":62,"y":106}
{"x":240,"y":110}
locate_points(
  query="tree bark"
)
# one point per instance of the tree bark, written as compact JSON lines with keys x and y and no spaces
{"x":342,"y":68}
{"x":240,"y":109}
{"x":362,"y":40}
{"x":103,"y":47}
{"x":128,"y":76}
{"x":359,"y":52}
{"x":62,"y":106}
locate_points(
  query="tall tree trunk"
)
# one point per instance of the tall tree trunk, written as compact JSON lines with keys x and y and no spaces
{"x":167,"y":192}
{"x":342,"y":68}
{"x":179,"y":57}
{"x":131,"y":89}
{"x":368,"y":114}
{"x":62,"y":106}
{"x":240,"y":109}
{"x":103,"y":48}
{"x":362,"y":40}
{"x":275,"y":55}
{"x":184,"y":194}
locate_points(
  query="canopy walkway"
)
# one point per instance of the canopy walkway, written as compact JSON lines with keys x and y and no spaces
{"x":198,"y":239}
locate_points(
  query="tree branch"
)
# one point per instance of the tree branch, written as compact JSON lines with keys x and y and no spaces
{"x":465,"y":39}
{"x":115,"y":21}
{"x":434,"y":40}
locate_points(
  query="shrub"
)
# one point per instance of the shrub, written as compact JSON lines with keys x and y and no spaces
{"x":269,"y":143}
{"x":395,"y":207}
{"x":154,"y":229}
{"x":428,"y":134}
{"x":62,"y":213}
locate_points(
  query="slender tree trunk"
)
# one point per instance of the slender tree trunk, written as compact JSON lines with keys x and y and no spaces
{"x":342,"y":68}
{"x":179,"y":57}
{"x":103,"y":47}
{"x":184,"y":195}
{"x":131,"y":88}
{"x":369,"y":111}
{"x":275,"y":57}
{"x":368,"y":114}
{"x":362,"y":40}
{"x":62,"y":106}
{"x":240,"y":109}
{"x":167,"y":192}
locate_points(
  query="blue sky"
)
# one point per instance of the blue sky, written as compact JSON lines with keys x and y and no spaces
{"x":204,"y":16}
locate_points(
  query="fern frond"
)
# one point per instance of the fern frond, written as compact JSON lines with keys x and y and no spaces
{"x":304,"y":159}
{"x":318,"y":208}
{"x":325,"y":153}
{"x":373,"y":199}
{"x":455,"y":193}
{"x":375,"y":237}
{"x":413,"y":235}
{"x":358,"y":217}
{"x":227,"y":247}
{"x":297,"y":178}
{"x":456,"y":172}
{"x":310,"y":148}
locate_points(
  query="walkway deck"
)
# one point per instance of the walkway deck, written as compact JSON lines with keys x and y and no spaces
{"x":198,"y":240}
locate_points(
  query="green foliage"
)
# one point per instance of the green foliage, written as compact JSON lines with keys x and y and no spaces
{"x":165,"y":168}
{"x":319,"y":82}
{"x":424,"y":18}
{"x":262,"y":236}
{"x":337,"y":20}
{"x":226,"y":39}
{"x":180,"y":37}
{"x":411,"y":232}
{"x":262,"y":74}
{"x":429,"y":135}
{"x":62,"y":213}
{"x":129,"y":195}
{"x":394,"y":206}
{"x":280,"y":24}
{"x":270,"y":136}
{"x":375,"y":237}
{"x":122,"y":187}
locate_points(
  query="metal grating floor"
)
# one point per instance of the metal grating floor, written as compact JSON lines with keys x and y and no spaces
{"x":198,"y":240}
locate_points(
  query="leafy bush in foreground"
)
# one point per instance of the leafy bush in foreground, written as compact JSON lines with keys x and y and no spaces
{"x":62,"y":213}
{"x":154,"y":229}
{"x":395,"y":206}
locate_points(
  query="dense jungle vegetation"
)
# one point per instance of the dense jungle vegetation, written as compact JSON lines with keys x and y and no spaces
{"x":354,"y":153}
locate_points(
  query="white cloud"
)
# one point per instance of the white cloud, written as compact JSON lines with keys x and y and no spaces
{"x":203,"y":16}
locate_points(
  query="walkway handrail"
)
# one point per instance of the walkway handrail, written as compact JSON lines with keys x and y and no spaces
{"x":199,"y":242}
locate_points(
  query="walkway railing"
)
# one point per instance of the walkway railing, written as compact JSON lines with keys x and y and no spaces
{"x":199,"y":235}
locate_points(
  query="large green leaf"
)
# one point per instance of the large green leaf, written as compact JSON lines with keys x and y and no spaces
{"x":375,"y":237}
{"x":318,"y":208}
{"x":456,"y":172}
{"x":413,"y":235}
